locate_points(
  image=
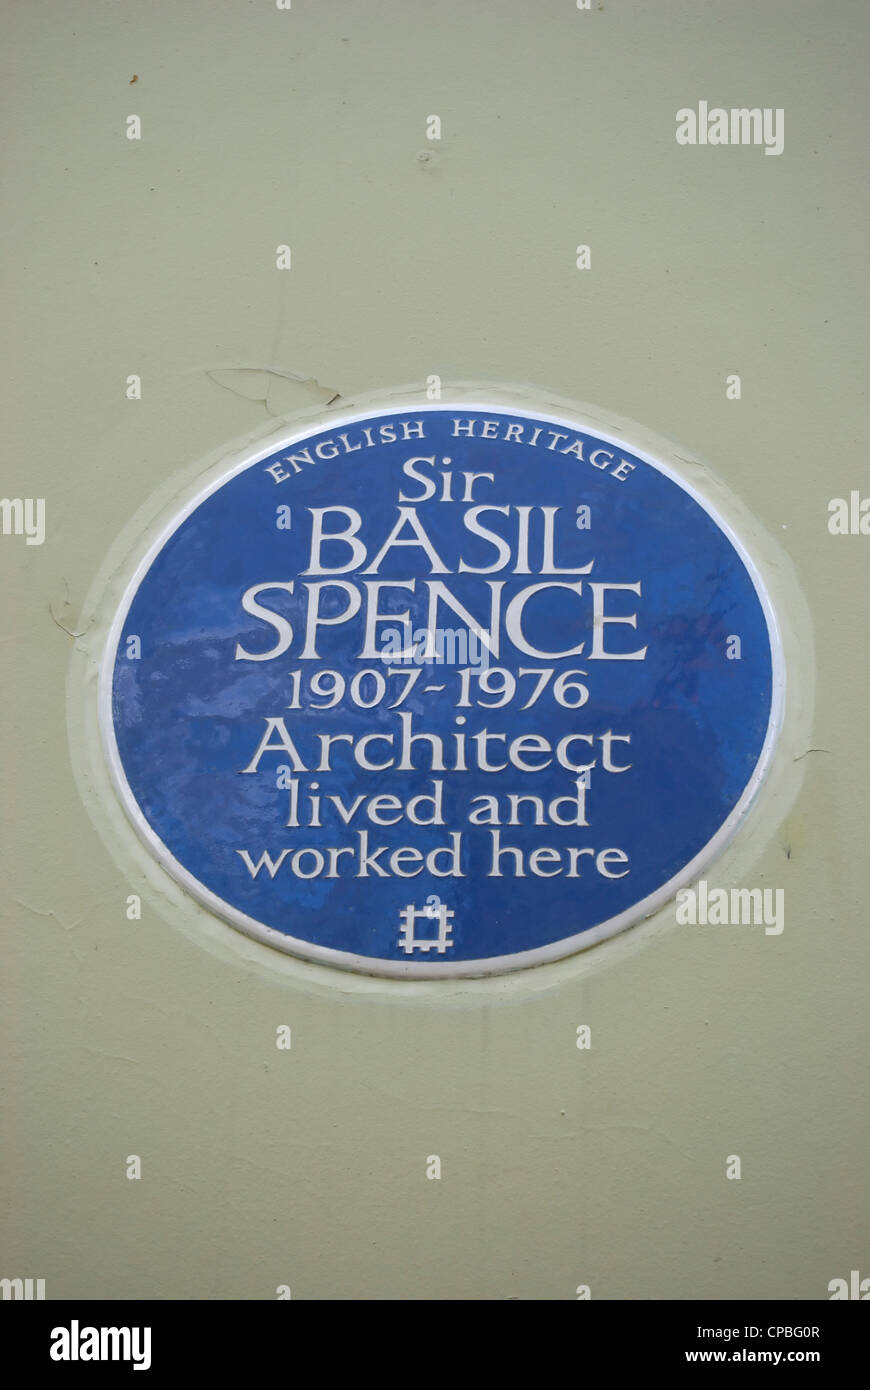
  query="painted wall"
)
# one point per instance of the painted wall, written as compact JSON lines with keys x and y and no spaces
{"x":604,"y":1167}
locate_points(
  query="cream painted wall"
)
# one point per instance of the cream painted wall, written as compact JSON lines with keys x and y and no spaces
{"x":157,"y":257}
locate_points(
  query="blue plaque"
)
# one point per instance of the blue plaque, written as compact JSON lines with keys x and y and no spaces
{"x":441,"y":691}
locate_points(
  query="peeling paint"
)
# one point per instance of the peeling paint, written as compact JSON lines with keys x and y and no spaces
{"x":280,"y":392}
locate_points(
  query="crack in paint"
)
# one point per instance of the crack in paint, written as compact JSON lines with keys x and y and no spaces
{"x":65,"y":605}
{"x":48,"y":912}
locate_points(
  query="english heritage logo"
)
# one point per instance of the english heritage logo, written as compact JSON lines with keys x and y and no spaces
{"x":294,"y":736}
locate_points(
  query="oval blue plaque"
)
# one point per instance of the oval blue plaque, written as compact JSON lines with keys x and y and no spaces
{"x":441,"y":691}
